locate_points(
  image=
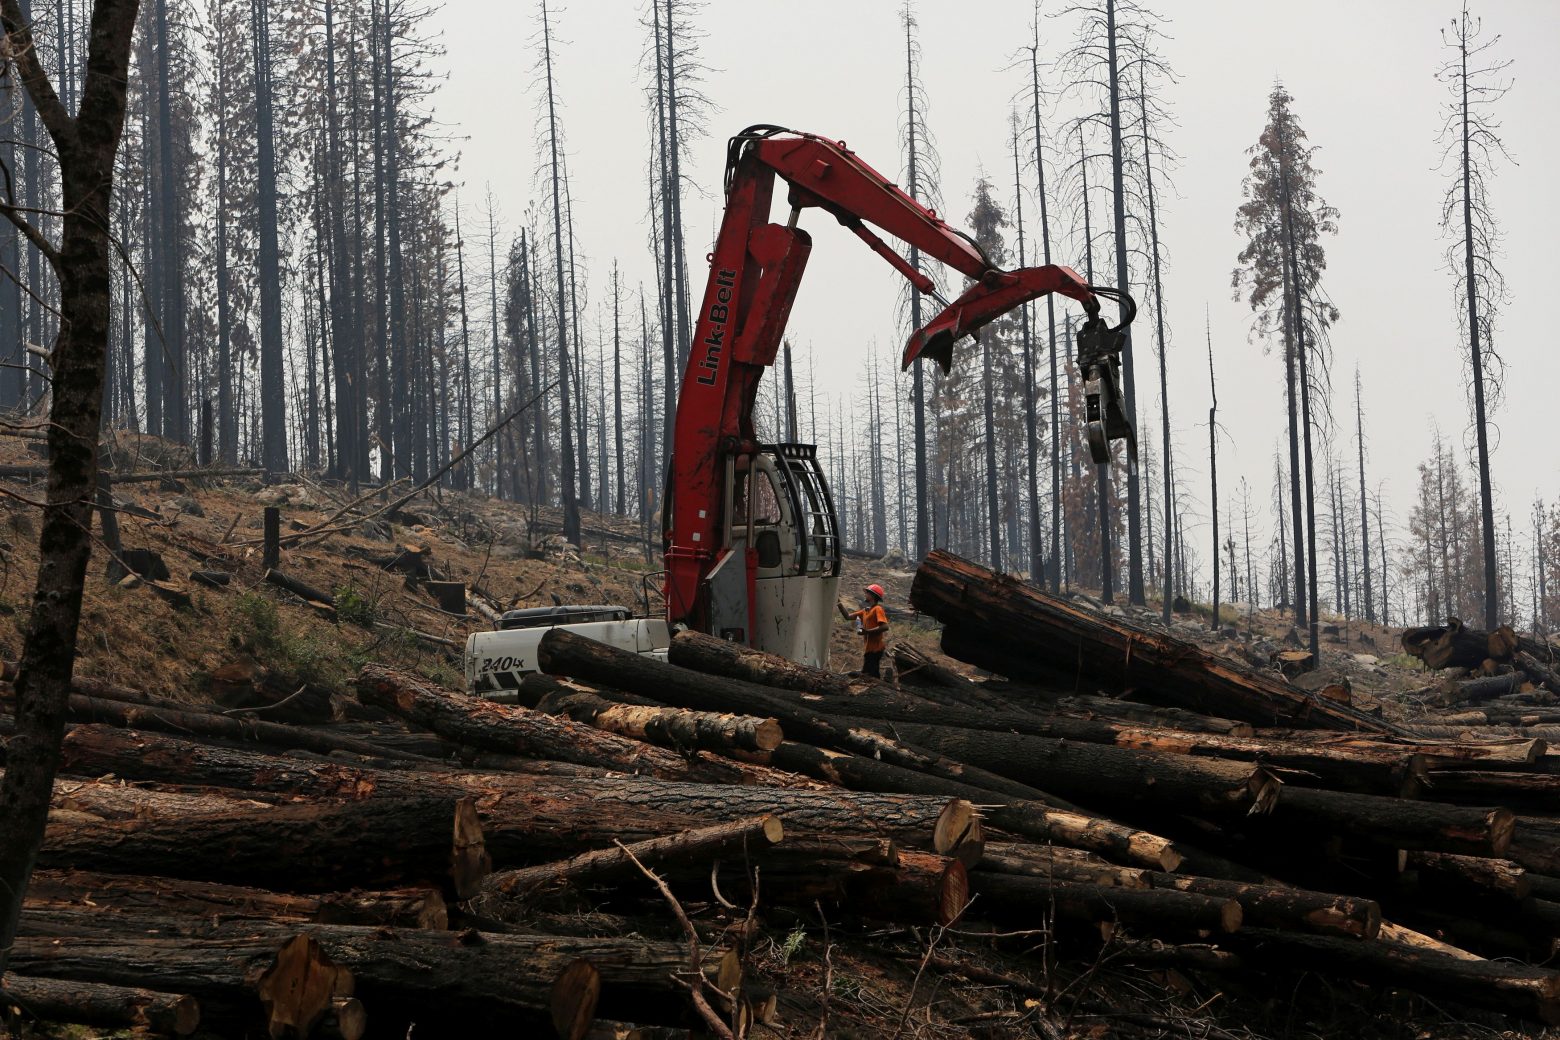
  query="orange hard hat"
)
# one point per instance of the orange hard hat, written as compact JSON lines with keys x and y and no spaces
{"x":877,"y":590}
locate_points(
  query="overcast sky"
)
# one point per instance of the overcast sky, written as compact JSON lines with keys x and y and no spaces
{"x":1360,"y":71}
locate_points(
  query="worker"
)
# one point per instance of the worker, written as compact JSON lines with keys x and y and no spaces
{"x":872,"y":622}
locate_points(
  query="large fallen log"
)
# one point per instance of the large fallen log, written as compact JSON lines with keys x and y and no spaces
{"x":83,"y":708}
{"x":96,"y":1004}
{"x":1025,"y":624}
{"x":705,"y":653}
{"x":1455,"y":645}
{"x":565,"y":653}
{"x":520,"y":731}
{"x":404,"y":907}
{"x":1107,"y":776}
{"x":675,"y":728}
{"x":1264,"y":906}
{"x":476,"y":984}
{"x":436,"y":839}
{"x":1468,"y":875}
{"x":259,"y":974}
{"x":1482,"y":688}
{"x":1515,"y":989}
{"x":879,"y":701}
{"x":698,"y":844}
{"x":903,"y":887}
{"x":1153,"y":911}
{"x":529,"y":818}
{"x":1395,"y":823}
{"x":1541,"y":670}
{"x":1352,"y":764}
{"x":701,"y":652}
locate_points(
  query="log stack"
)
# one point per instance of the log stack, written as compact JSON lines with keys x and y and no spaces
{"x":426,"y":866}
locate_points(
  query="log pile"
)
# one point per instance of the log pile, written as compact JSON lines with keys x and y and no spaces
{"x":434,"y":863}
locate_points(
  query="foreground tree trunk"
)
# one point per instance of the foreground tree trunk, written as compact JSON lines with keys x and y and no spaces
{"x":86,"y":145}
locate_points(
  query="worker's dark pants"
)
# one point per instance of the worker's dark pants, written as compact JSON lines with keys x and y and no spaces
{"x":872,"y":664}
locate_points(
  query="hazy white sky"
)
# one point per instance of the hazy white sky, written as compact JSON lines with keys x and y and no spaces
{"x":1361,"y":73}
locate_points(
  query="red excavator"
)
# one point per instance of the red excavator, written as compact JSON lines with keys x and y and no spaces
{"x":751,"y":537}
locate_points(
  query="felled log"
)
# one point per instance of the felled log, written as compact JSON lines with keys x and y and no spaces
{"x":277,"y":979}
{"x":314,"y":597}
{"x":913,"y":666}
{"x":404,"y":907}
{"x":1147,"y":714}
{"x":1541,"y":671}
{"x":1026,"y":624}
{"x":668,"y":727}
{"x":1469,"y":875}
{"x":521,"y":731}
{"x":1483,"y":688}
{"x":1395,"y":823}
{"x":83,"y":708}
{"x":881,"y":702}
{"x":706,"y":653}
{"x":306,"y":847}
{"x":530,"y":818}
{"x":1517,"y":989}
{"x":1455,"y":645}
{"x":1536,"y":845}
{"x":1157,"y":911}
{"x":1535,"y":792}
{"x":477,"y":984}
{"x":96,"y":1004}
{"x":703,"y":843}
{"x":564,"y":653}
{"x":1266,"y":906}
{"x":1351,"y":764}
{"x":1103,"y":775}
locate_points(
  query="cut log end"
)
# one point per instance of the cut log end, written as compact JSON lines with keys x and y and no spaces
{"x":958,"y":833}
{"x":774,"y":830}
{"x":955,"y":896}
{"x":347,"y":1020}
{"x":1502,"y":826}
{"x":768,"y":735}
{"x":301,"y":986}
{"x":469,"y":859}
{"x":574,"y":999}
{"x":1231,"y":915}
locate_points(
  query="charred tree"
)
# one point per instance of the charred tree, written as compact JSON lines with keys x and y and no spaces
{"x":86,"y":145}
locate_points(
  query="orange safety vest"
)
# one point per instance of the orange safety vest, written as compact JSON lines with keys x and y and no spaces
{"x":874,"y":625}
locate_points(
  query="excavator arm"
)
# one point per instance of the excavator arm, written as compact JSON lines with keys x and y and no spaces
{"x":755,"y":270}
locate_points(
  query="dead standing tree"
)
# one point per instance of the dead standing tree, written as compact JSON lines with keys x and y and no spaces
{"x":86,"y":145}
{"x":1472,"y":147}
{"x":1112,"y":39}
{"x":571,"y":505}
{"x":1280,"y":269}
{"x":922,"y":174}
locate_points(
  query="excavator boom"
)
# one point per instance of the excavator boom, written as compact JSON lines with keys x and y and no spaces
{"x":713,"y":561}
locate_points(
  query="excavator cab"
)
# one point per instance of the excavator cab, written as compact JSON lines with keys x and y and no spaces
{"x":776,"y":585}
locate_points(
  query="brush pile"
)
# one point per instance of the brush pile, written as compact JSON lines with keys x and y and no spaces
{"x":607,"y":855}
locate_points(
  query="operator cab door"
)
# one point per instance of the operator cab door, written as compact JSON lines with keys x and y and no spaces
{"x":780,"y":509}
